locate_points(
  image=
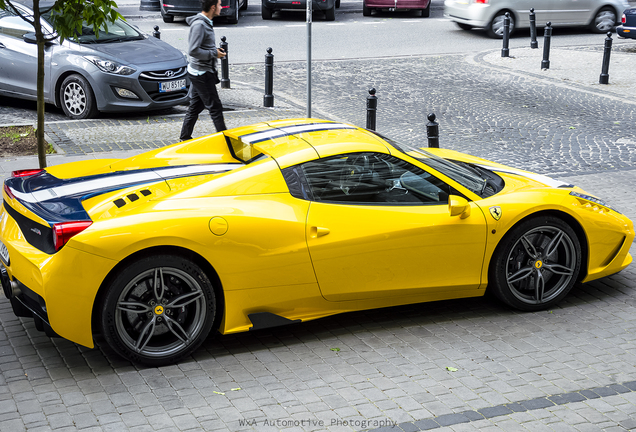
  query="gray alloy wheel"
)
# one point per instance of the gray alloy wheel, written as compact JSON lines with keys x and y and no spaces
{"x":537,"y":264}
{"x":604,"y":20}
{"x":496,"y":26}
{"x":158,"y":310}
{"x":76,"y":98}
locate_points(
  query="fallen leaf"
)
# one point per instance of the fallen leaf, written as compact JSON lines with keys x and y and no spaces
{"x":451,"y":369}
{"x":236,"y":389}
{"x":335,"y":349}
{"x":220,"y":393}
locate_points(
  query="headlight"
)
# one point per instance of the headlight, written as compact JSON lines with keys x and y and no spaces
{"x":593,"y":199}
{"x":110,"y":66}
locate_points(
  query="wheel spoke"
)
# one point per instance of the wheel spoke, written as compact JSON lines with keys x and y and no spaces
{"x":554,"y":244}
{"x":521,"y":274}
{"x":539,"y":287}
{"x":559,"y":269}
{"x":529,"y":247}
{"x":177,"y":330}
{"x":185,"y":299}
{"x":133,"y":306}
{"x":145,"y":335}
{"x":158,"y":284}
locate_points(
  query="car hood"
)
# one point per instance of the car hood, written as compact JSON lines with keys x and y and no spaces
{"x":139,"y":52}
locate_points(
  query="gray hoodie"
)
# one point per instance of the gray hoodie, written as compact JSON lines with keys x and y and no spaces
{"x":201,"y":44}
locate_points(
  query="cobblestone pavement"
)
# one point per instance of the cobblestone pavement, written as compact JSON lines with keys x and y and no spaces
{"x":456,"y":365}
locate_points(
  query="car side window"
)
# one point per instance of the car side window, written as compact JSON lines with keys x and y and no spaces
{"x":13,"y":26}
{"x":365,"y":178}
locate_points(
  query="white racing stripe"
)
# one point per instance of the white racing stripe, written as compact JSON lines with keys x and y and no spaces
{"x":123,"y":180}
{"x":291,"y":130}
{"x":549,"y":181}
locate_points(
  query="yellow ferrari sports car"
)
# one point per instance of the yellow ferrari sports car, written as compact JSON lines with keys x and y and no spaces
{"x":284,"y":222}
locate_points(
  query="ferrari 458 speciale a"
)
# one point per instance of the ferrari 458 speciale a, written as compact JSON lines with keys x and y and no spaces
{"x":286,"y":221}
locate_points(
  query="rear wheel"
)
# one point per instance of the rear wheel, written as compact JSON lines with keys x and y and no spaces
{"x":234,"y":19}
{"x":158,"y":310}
{"x":167,"y":18}
{"x":244,"y":5}
{"x":496,"y":27}
{"x":604,"y":20}
{"x":366,"y":11}
{"x":427,"y":11}
{"x":536,"y":264}
{"x":330,"y":14}
{"x":266,"y":13}
{"x":76,"y":98}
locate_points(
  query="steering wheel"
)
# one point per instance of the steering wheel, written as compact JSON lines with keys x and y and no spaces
{"x":355,"y":171}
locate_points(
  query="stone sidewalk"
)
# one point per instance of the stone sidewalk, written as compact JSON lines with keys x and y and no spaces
{"x":465,"y":365}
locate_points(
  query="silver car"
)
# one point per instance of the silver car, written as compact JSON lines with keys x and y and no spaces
{"x":599,"y":15}
{"x":122,"y":70}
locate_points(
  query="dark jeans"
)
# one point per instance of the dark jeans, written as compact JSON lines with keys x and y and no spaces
{"x":203,"y":94}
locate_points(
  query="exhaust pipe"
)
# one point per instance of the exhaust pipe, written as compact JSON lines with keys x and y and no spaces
{"x":15,"y":289}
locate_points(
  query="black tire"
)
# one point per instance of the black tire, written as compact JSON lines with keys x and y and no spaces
{"x":234,"y":19}
{"x":604,"y":20}
{"x":536,"y":264}
{"x":244,"y":5}
{"x":464,"y":26}
{"x":158,"y":327}
{"x":495,"y":28}
{"x":427,"y":12}
{"x":266,"y":13}
{"x":366,"y":11}
{"x":167,"y":18}
{"x":337,"y":4}
{"x":330,"y":14}
{"x":76,"y":98}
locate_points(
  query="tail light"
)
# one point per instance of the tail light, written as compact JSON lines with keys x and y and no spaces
{"x":64,"y":231}
{"x":7,"y":190}
{"x":623,"y":19}
{"x":481,"y":1}
{"x":25,"y":172}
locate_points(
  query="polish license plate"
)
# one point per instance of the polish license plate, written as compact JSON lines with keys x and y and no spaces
{"x":4,"y":253}
{"x":168,"y":86}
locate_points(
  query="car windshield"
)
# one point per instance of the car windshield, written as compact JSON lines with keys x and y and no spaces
{"x":119,"y":31}
{"x":464,"y":174}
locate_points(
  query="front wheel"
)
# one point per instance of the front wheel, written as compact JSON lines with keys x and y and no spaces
{"x":496,"y":27}
{"x":536,"y":264}
{"x":244,"y":6}
{"x":234,"y":19}
{"x":603,"y":21}
{"x":427,"y":11}
{"x":158,"y":310}
{"x":76,"y":98}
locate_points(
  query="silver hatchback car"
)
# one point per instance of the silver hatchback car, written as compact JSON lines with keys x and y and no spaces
{"x":599,"y":15}
{"x":121,"y":70}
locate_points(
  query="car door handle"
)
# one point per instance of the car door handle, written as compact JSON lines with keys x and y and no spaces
{"x":315,"y":232}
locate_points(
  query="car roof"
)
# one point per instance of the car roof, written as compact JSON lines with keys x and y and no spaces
{"x":299,"y":140}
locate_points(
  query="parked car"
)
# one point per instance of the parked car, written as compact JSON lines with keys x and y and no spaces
{"x":599,"y":15}
{"x":184,"y":8}
{"x":422,"y":6}
{"x":282,"y":222}
{"x":122,"y":70}
{"x":627,"y":29}
{"x":268,"y":7}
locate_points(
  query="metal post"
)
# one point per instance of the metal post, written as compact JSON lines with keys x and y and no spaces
{"x":547,"y":34}
{"x":505,"y":52}
{"x":309,"y":13}
{"x":225,"y":66}
{"x":268,"y":99}
{"x":604,"y":78}
{"x":432,"y":131}
{"x":533,"y":30}
{"x":372,"y":108}
{"x":157,"y":33}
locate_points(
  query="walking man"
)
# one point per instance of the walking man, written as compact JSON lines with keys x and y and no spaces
{"x":202,"y":55}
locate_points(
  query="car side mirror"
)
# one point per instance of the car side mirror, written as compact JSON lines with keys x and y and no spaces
{"x":30,"y":38}
{"x":458,"y":206}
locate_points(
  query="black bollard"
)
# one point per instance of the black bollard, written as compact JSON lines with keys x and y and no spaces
{"x":547,"y":34}
{"x":268,"y":99}
{"x":157,"y":33}
{"x":432,"y":131}
{"x":533,"y":30}
{"x":505,"y":52}
{"x":225,"y":66}
{"x":372,"y":108}
{"x":604,"y":78}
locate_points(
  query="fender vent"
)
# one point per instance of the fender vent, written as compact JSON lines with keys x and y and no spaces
{"x":145,"y":192}
{"x":132,"y":197}
{"x":119,"y":203}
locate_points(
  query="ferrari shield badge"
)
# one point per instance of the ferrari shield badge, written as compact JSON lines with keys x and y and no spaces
{"x":495,"y":212}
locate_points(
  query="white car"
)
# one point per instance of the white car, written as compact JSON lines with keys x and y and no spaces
{"x":600,"y":15}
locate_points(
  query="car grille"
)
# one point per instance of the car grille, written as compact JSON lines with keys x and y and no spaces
{"x":150,"y":82}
